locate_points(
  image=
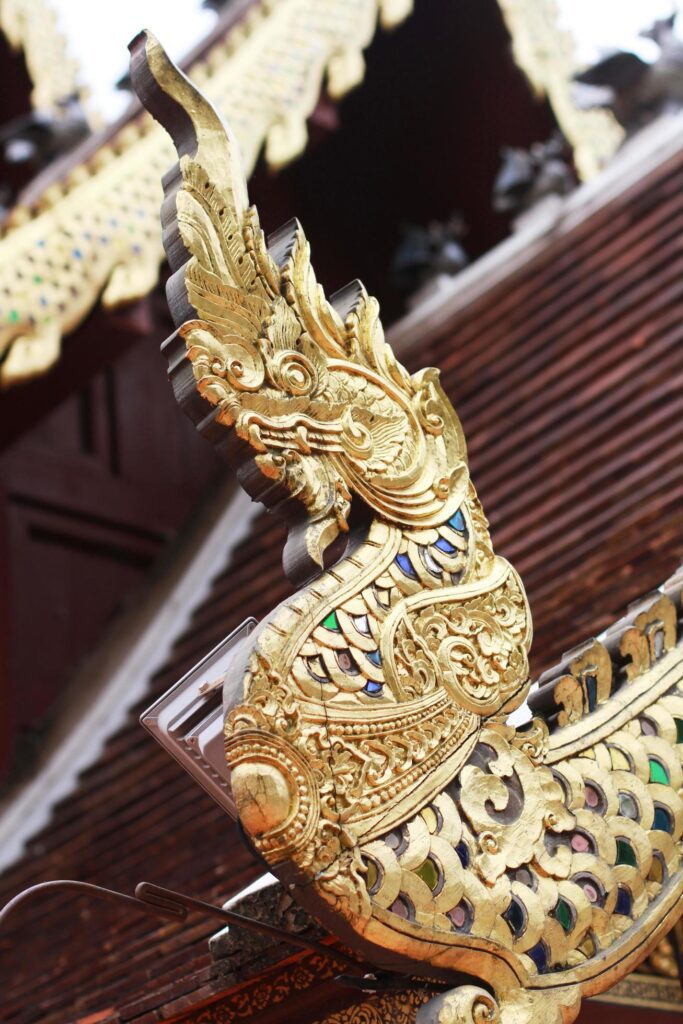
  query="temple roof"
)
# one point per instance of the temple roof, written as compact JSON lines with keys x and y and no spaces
{"x":563,"y":366}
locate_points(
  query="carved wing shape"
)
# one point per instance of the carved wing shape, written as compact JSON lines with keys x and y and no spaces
{"x":304,"y":394}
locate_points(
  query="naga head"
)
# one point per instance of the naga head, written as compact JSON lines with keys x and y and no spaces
{"x":316,"y":406}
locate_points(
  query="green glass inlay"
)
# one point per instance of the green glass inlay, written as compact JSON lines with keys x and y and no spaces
{"x":626,"y":853}
{"x":13,"y":316}
{"x":658,"y":772}
{"x":332,"y":622}
{"x":563,"y":914}
{"x":37,"y":279}
{"x":679,"y":729}
{"x":427,"y":871}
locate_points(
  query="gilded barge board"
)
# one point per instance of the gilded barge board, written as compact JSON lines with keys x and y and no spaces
{"x":372,"y":763}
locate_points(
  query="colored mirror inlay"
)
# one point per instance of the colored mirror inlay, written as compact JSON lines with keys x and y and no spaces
{"x":406,"y":566}
{"x":457,"y":521}
{"x":460,"y":916}
{"x":346,"y":663}
{"x":373,"y":876}
{"x":372,"y":688}
{"x":628,"y":808}
{"x":591,"y":684}
{"x":625,"y":853}
{"x":563,"y":913}
{"x":591,"y":892}
{"x":362,"y":624}
{"x":592,"y":796}
{"x":679,"y":729}
{"x":429,"y":873}
{"x":429,"y":817}
{"x":463,"y":853}
{"x":514,"y":915}
{"x":658,"y":772}
{"x":656,"y":870}
{"x":663,"y":822}
{"x":332,"y":622}
{"x":539,"y":955}
{"x":403,"y":907}
{"x":624,"y":902}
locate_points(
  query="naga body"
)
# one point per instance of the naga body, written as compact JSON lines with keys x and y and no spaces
{"x":372,"y":762}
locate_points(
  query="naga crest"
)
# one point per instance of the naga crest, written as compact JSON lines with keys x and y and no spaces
{"x":309,"y":386}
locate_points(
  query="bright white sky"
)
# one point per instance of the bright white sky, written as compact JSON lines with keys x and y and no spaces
{"x":602,"y":25}
{"x":99,"y":33}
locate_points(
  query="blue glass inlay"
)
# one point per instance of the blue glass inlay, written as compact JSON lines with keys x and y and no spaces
{"x":539,"y":955}
{"x":624,"y":902}
{"x":457,"y":521}
{"x":375,"y":657}
{"x":463,"y":853}
{"x":443,"y":545}
{"x":591,"y":692}
{"x":372,"y":688}
{"x":77,"y":253}
{"x":662,"y":820}
{"x":406,"y":566}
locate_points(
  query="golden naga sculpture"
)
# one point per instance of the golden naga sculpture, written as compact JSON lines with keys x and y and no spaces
{"x":366,"y":730}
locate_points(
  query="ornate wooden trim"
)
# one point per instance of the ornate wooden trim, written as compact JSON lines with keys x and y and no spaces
{"x":97,"y":232}
{"x":31,"y":27}
{"x":546,"y":54}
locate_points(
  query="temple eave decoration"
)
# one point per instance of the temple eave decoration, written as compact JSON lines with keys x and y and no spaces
{"x":31,"y":27}
{"x":546,"y":53}
{"x":95,"y":234}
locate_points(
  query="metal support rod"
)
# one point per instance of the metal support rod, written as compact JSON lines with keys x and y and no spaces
{"x":157,"y":896}
{"x":95,"y":891}
{"x":155,"y":899}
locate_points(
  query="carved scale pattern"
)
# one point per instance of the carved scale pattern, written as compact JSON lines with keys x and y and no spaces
{"x":560,"y":885}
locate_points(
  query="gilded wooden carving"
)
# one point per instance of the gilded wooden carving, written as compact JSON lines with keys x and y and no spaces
{"x":366,"y":730}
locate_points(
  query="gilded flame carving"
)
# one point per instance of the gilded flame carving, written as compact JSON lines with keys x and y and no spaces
{"x":373,"y":765}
